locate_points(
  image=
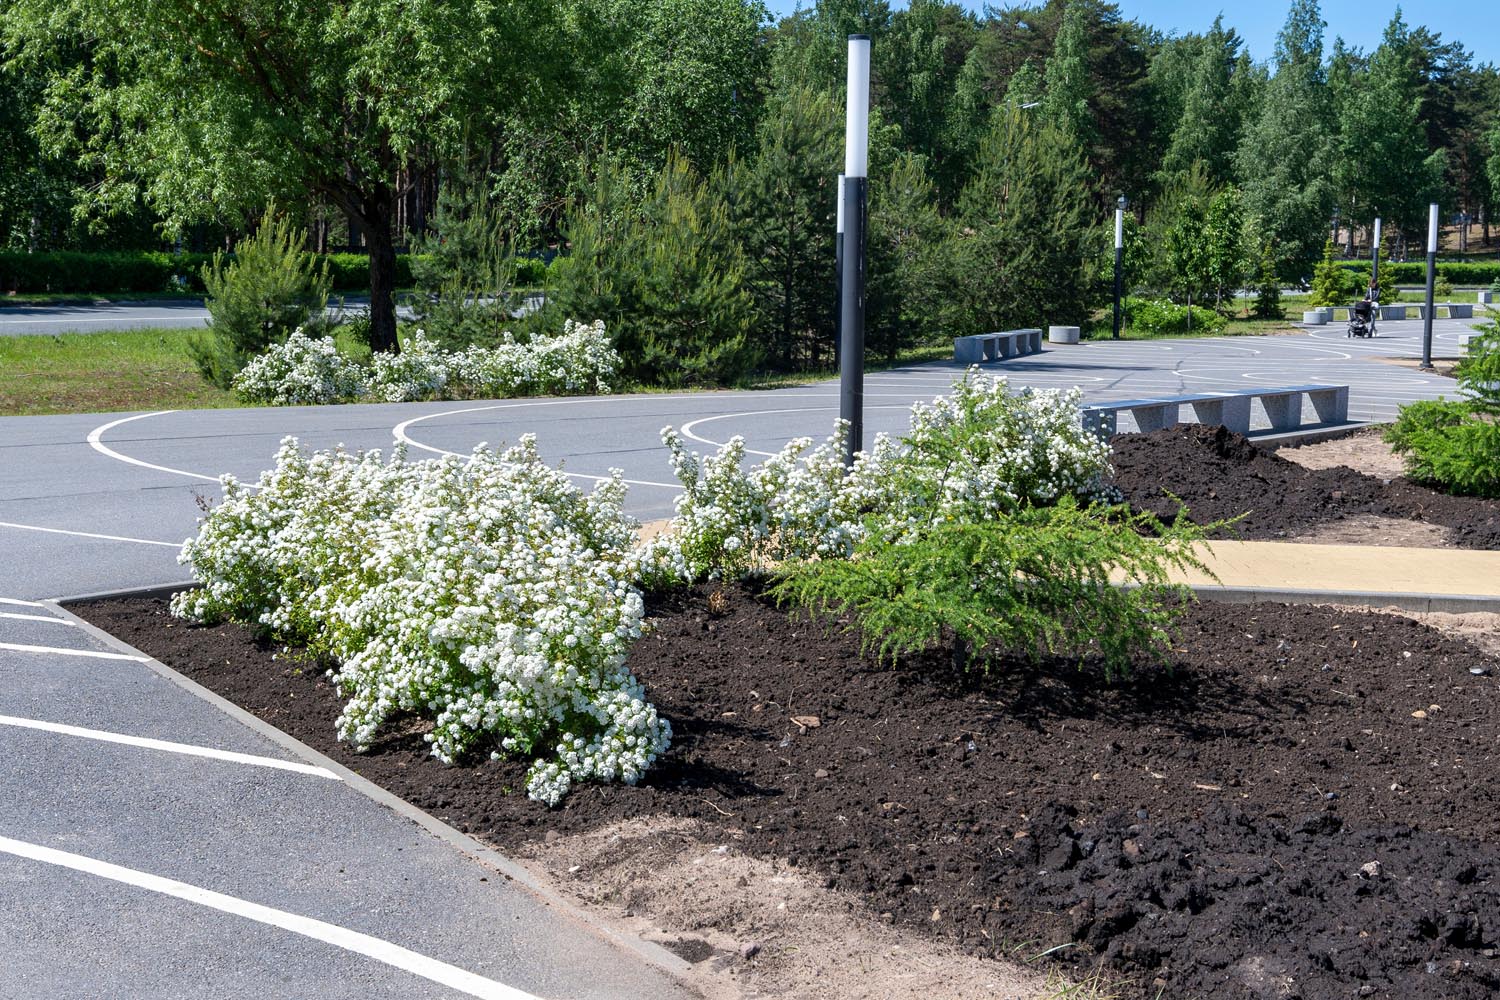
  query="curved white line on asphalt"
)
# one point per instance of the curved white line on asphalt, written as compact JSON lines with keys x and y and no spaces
{"x":361,"y":944}
{"x":96,"y":442}
{"x":687,"y":428}
{"x":187,"y":749}
{"x":17,"y":647}
{"x":87,"y":534}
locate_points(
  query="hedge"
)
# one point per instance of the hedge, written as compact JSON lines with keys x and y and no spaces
{"x":1414,"y":272}
{"x":66,"y":272}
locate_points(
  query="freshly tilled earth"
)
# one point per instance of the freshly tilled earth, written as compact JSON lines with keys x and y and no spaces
{"x":1219,"y":474}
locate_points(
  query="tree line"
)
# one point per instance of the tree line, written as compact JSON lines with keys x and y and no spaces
{"x":681,"y":154}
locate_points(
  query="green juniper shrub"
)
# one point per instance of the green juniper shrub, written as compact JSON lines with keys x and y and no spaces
{"x":270,"y":287}
{"x":1455,"y":444}
{"x":1442,"y":288}
{"x":1036,"y":580}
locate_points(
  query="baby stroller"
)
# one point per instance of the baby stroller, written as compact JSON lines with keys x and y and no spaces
{"x":1361,"y":319}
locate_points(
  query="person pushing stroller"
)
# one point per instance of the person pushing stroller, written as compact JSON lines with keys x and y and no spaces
{"x":1362,"y":314}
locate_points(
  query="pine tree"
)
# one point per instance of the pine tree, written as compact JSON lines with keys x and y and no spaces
{"x":1208,"y":130}
{"x":1065,"y":102}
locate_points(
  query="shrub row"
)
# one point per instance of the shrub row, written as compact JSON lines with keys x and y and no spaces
{"x":66,"y":272}
{"x":1413,"y":272}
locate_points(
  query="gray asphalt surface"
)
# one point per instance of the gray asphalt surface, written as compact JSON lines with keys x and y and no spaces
{"x":101,"y":502}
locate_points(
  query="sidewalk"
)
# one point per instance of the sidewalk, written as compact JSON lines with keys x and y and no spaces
{"x":1413,"y":578}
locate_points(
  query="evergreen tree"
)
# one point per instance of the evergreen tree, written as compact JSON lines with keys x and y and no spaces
{"x":1268,"y":286}
{"x":1284,"y":159}
{"x":666,"y":275}
{"x":1065,"y":101}
{"x":1021,"y":257}
{"x":786,"y":216}
{"x":908,"y":273}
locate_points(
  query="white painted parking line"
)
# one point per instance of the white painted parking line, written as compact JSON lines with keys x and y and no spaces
{"x":96,"y":442}
{"x":88,"y":534}
{"x":58,"y":651}
{"x":390,"y":954}
{"x":21,"y":604}
{"x":187,"y":749}
{"x":37,"y":618}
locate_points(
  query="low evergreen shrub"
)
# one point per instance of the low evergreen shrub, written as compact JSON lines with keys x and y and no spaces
{"x":1454,"y":445}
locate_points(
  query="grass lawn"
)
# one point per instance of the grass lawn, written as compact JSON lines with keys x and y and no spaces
{"x":103,"y":373}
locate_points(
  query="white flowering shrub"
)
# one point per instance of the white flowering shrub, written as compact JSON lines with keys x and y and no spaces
{"x":976,"y":453}
{"x":581,"y":359}
{"x":419,"y":371}
{"x":303,"y":370}
{"x":487,"y":594}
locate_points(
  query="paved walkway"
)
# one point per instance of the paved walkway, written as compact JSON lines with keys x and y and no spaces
{"x":1413,"y":578}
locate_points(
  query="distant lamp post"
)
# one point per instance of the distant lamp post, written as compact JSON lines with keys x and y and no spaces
{"x":1375,"y":258}
{"x":1119,"y":258}
{"x":855,"y":205}
{"x":1432,"y":244}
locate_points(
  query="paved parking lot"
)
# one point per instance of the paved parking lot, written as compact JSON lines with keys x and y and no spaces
{"x":153,"y":845}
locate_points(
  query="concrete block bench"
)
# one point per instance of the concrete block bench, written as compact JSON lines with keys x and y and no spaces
{"x":980,"y":347}
{"x":1393,"y":312}
{"x":1282,"y":406}
{"x":1456,"y":310}
{"x":1486,"y":297}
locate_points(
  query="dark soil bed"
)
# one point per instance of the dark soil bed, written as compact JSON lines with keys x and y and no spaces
{"x":1220,"y":474}
{"x":1269,"y":819}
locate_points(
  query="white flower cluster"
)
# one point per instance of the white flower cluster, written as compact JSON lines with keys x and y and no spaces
{"x":486,"y":593}
{"x":975,"y":453}
{"x":311,"y":370}
{"x":303,"y":370}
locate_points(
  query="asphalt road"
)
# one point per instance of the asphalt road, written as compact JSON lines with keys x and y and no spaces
{"x":93,"y":824}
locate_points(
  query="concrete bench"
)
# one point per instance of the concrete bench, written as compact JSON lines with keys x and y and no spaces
{"x":1282,"y":406}
{"x":980,"y":347}
{"x":1456,"y":310}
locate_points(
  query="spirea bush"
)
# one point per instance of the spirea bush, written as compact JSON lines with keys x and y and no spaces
{"x":310,"y":370}
{"x":304,"y":370}
{"x":487,"y":594}
{"x":973,"y":454}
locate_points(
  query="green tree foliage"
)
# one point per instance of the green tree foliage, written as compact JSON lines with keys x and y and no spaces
{"x":1027,"y":182}
{"x":786,"y":203}
{"x":1198,"y":238}
{"x":928,"y":44}
{"x":908,"y":274}
{"x":464,"y":270}
{"x":1284,"y":159}
{"x":1067,"y":84}
{"x":1384,"y":166}
{"x":208,"y":112}
{"x":665,"y":274}
{"x":1208,"y":127}
{"x":1267,"y":286}
{"x":1332,"y":283}
{"x":270,"y":287}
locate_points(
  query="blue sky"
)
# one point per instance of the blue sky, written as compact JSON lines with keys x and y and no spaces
{"x":1476,"y":23}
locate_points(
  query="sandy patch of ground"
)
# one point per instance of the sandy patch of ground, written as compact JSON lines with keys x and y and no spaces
{"x":1374,"y":530}
{"x":1363,"y":452}
{"x":757,"y":929}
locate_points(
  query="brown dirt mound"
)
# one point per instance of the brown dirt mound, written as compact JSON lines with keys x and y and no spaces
{"x":1302,"y":807}
{"x":1220,"y":474}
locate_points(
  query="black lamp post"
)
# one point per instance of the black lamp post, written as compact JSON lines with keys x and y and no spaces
{"x":1119,"y":257}
{"x":1375,"y":258}
{"x":852,"y":286}
{"x":1432,"y":244}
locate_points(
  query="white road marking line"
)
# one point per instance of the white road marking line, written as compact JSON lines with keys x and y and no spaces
{"x":183,"y":748}
{"x":21,"y":604}
{"x":361,"y":944}
{"x":96,"y":442}
{"x":22,"y":648}
{"x":38,"y":618}
{"x":88,"y":534}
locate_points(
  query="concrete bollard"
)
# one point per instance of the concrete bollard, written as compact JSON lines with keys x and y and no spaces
{"x":1314,"y":317}
{"x":1063,"y":334}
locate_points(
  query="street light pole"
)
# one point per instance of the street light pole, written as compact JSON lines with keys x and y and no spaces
{"x":838,"y":276}
{"x":1375,"y":257}
{"x":855,"y":205}
{"x":1432,"y":242}
{"x":1119,"y":257}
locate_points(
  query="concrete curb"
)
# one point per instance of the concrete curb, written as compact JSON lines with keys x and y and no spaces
{"x":651,"y":953}
{"x":1453,"y":603}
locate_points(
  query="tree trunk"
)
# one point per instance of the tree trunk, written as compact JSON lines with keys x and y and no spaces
{"x":380,"y":238}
